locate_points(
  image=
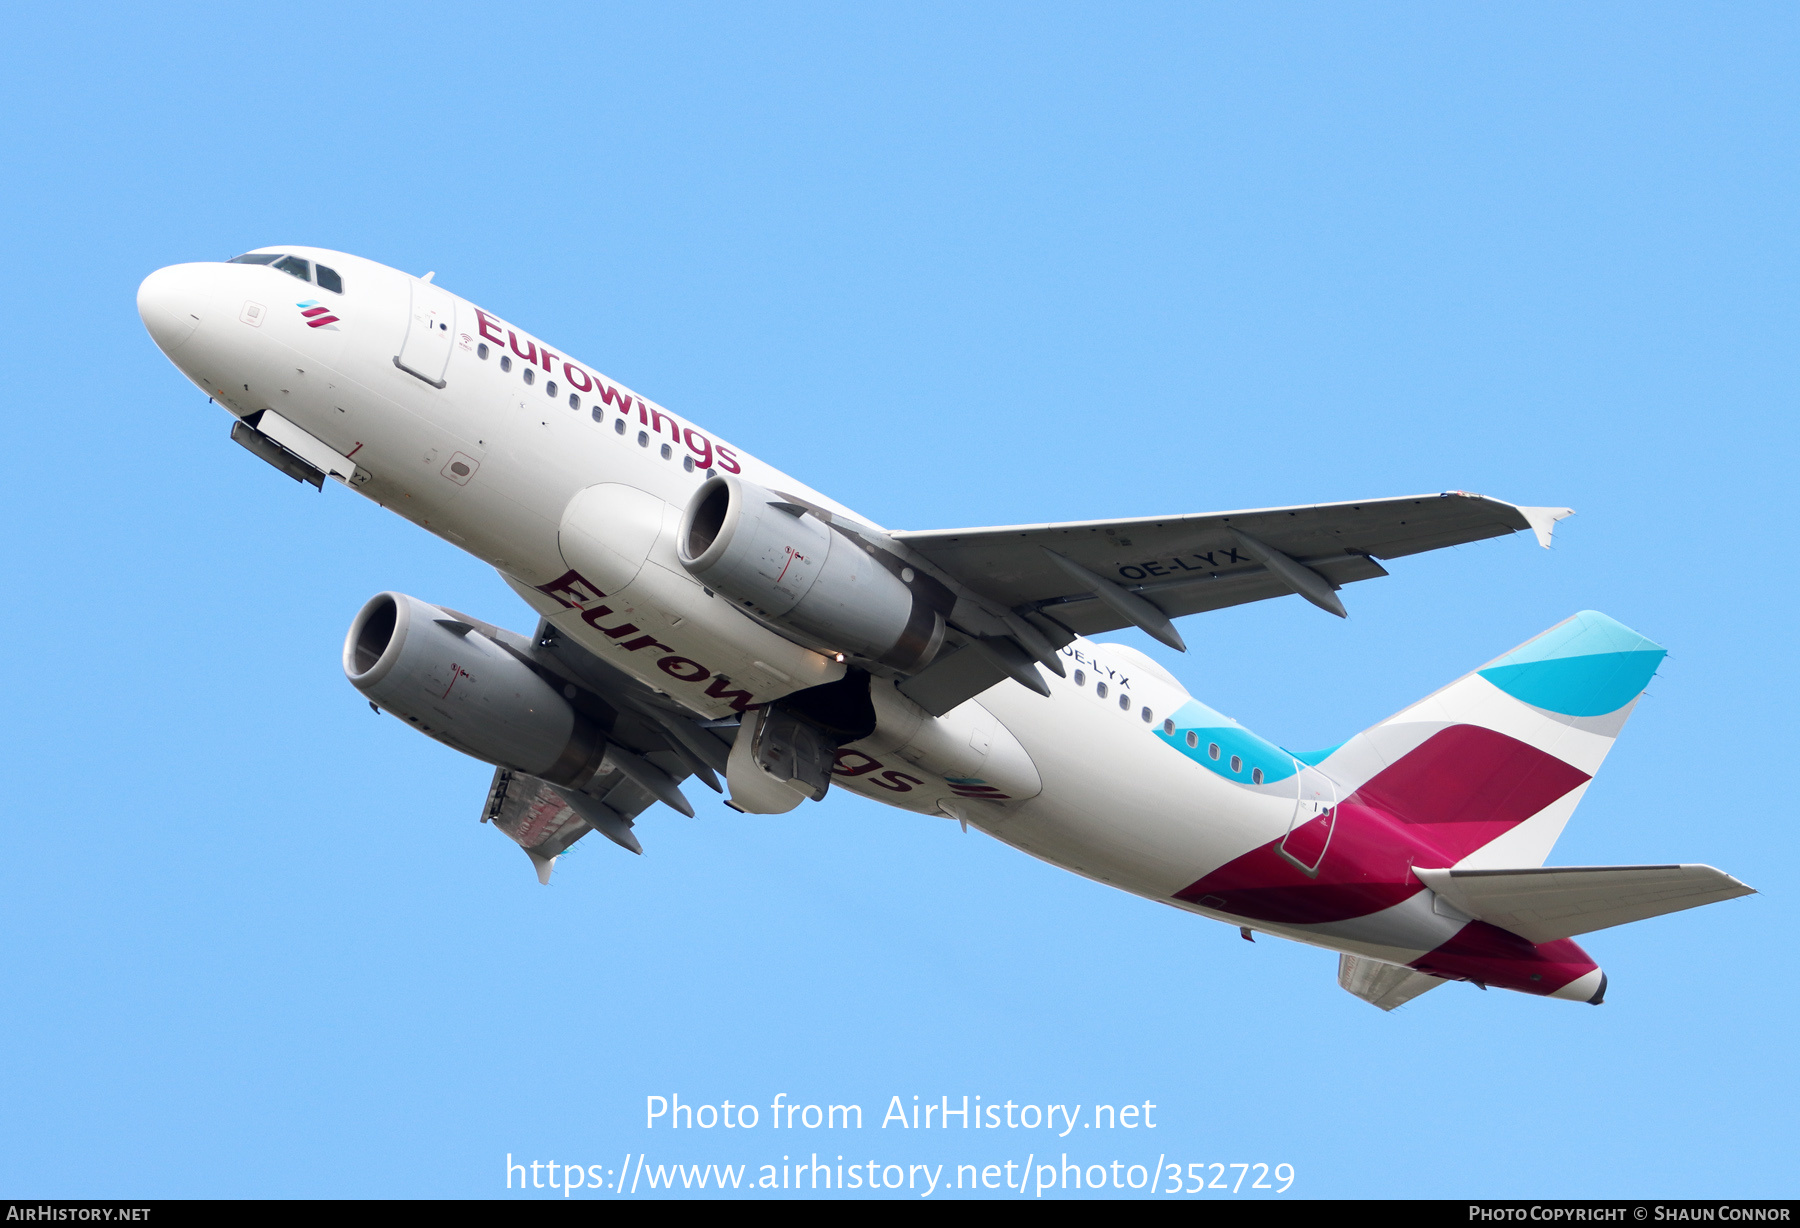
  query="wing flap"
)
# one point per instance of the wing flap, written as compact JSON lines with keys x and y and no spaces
{"x":1199,"y":594}
{"x":1554,"y":902}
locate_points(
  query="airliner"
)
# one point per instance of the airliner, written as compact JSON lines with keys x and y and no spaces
{"x":701,"y":614}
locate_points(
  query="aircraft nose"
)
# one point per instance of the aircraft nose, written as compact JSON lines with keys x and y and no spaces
{"x":172,"y":303}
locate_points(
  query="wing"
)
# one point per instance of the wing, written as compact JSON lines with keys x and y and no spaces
{"x":652,"y":745}
{"x":1188,"y":564}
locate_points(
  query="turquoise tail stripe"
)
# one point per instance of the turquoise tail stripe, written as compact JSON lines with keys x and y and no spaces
{"x":1313,"y":758}
{"x":1589,"y":665}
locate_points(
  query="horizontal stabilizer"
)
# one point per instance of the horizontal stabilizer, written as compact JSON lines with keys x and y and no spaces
{"x":1554,"y":902}
{"x":1383,"y":985}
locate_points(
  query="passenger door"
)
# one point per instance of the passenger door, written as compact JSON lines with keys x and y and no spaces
{"x":430,"y":326}
{"x":1315,"y":813}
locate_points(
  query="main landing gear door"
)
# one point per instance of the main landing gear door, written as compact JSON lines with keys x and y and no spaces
{"x":1315,"y":814}
{"x":430,"y":327}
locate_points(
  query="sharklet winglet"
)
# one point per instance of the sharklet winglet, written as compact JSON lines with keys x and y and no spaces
{"x":1543,"y":521}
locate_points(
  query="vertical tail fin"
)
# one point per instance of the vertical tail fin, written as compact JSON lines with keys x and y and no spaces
{"x":1496,"y":762}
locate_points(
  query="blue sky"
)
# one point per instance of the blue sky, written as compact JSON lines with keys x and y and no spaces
{"x":956,"y":265}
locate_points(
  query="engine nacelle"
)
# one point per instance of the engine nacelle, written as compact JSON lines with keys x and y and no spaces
{"x":789,"y":568}
{"x":433,"y":670}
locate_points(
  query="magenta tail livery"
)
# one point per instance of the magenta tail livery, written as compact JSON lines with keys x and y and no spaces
{"x":703,"y":614}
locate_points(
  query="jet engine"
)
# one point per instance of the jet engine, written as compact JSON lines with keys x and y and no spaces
{"x":431,"y":668}
{"x":783,"y":564}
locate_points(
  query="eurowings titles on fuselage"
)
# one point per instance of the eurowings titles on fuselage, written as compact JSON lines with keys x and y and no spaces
{"x":705,"y":616}
{"x":579,"y":382}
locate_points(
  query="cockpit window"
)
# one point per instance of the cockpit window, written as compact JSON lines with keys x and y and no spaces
{"x":328,"y":278}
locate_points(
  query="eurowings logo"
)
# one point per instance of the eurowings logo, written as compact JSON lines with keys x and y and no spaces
{"x":317,"y":316}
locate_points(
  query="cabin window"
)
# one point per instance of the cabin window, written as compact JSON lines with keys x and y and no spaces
{"x":1146,"y":715}
{"x":530,"y":375}
{"x":1193,"y":740}
{"x":328,"y":279}
{"x":643,"y":439}
{"x":506,"y":362}
{"x":1169,"y":727}
{"x":618,"y":425}
{"x":687,"y":463}
{"x":550,"y":388}
{"x":667,"y":452}
{"x":1212,"y":750}
{"x":481,"y":351}
{"x":1237,"y":763}
{"x":1100,"y":689}
{"x":712,"y":473}
{"x":295,"y":266}
{"x":1124,"y":702}
{"x":1256,"y":776}
{"x":1080,"y":678}
{"x":574,"y":400}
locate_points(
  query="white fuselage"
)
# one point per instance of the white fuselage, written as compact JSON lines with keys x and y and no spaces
{"x":548,"y":491}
